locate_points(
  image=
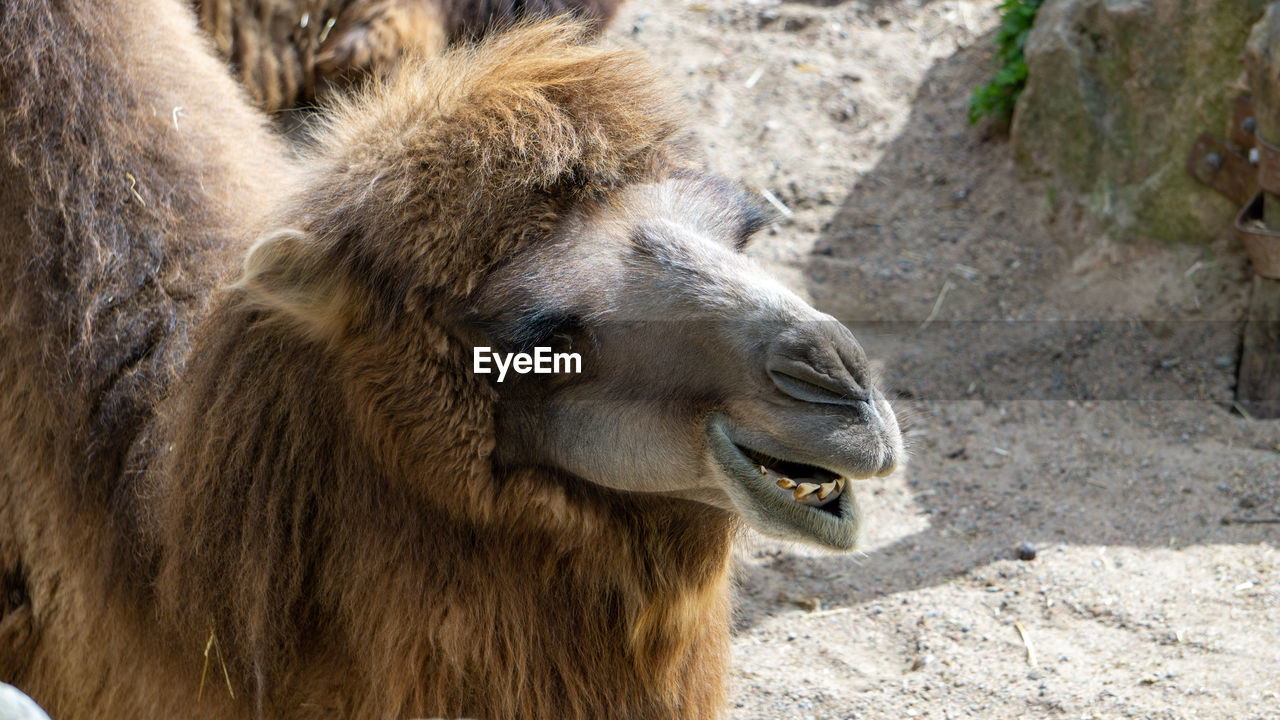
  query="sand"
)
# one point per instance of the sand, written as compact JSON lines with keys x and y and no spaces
{"x":1057,"y":389}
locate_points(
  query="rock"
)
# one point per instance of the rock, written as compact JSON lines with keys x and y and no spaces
{"x":1026,"y":551}
{"x":1117,"y":92}
{"x":922,"y":662}
{"x":1251,"y":501}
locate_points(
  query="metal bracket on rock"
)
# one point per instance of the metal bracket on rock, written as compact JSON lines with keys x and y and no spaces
{"x":1242,"y":169}
{"x":1218,"y":165}
{"x":1229,"y":166}
{"x":1244,"y":125}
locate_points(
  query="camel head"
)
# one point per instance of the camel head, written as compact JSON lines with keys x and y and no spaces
{"x":537,"y":192}
{"x":702,"y":377}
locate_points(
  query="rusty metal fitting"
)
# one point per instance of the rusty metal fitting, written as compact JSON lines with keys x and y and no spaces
{"x":1262,"y":245}
{"x":1268,"y":166}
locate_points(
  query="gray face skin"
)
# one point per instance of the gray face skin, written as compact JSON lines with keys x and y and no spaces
{"x":703,"y":377}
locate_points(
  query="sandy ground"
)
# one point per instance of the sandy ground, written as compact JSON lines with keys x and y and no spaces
{"x":1057,"y":390}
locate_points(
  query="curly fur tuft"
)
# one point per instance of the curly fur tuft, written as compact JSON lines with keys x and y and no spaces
{"x":285,"y":52}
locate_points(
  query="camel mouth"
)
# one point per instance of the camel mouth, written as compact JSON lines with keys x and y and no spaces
{"x":782,"y":497}
{"x":806,"y":484}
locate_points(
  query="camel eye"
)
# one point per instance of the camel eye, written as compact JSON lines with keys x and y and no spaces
{"x":562,"y":339}
{"x":519,"y":332}
{"x":548,"y":329}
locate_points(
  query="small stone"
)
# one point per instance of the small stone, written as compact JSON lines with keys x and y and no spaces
{"x":922,"y":662}
{"x":1026,"y":551}
{"x":796,"y":24}
{"x":1224,"y":362}
{"x":1250,"y":501}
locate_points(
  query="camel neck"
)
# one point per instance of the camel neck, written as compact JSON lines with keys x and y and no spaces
{"x":622,"y":600}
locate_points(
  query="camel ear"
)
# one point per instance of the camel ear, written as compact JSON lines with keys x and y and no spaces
{"x":284,"y":274}
{"x":720,"y":207}
{"x":752,"y":217}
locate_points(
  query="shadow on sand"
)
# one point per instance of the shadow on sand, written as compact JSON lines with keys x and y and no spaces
{"x":1027,"y":427}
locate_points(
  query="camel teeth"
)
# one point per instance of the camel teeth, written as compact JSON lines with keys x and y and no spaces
{"x":786,"y":483}
{"x":825,"y":490}
{"x":763,"y":470}
{"x":804,"y":490}
{"x":840,"y":484}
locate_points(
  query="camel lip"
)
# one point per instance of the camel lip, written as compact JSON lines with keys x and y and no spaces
{"x":798,"y":471}
{"x":834,"y":524}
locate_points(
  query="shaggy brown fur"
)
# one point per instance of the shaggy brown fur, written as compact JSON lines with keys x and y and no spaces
{"x":286,"y":51}
{"x":133,"y":176}
{"x":301,"y":508}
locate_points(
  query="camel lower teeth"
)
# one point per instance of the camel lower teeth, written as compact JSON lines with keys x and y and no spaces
{"x":805,"y":492}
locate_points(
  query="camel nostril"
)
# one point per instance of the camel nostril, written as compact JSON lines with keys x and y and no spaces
{"x":804,"y":382}
{"x":820,"y":362}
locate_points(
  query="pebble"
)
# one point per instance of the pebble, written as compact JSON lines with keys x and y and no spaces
{"x":1250,"y":501}
{"x":922,"y":662}
{"x":1026,"y":551}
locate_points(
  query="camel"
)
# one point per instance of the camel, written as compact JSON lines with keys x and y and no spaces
{"x":287,"y":53}
{"x":247,"y":467}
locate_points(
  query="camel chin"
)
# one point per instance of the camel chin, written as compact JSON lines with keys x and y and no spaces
{"x":783,"y":496}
